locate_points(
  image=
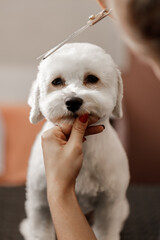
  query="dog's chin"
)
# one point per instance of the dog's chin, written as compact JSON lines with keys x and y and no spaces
{"x":69,"y":119}
{"x":65,"y":120}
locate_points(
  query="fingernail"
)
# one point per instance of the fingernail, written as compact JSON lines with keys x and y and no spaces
{"x":83,"y":118}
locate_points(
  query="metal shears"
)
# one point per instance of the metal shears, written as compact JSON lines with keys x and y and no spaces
{"x":93,"y":19}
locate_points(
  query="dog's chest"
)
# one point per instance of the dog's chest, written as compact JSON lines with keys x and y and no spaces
{"x":87,"y":202}
{"x":90,"y":181}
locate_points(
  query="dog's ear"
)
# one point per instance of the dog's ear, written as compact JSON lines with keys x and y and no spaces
{"x":33,"y":101}
{"x":117,"y":111}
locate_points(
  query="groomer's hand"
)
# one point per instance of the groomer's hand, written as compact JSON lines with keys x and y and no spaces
{"x":63,"y":155}
{"x":103,"y":3}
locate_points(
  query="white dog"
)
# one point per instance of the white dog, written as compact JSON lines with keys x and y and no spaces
{"x":80,"y":78}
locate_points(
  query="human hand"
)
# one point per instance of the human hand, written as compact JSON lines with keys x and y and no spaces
{"x":63,"y":155}
{"x":105,"y":5}
{"x":102,"y":3}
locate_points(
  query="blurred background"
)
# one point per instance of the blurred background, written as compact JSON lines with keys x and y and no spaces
{"x":30,"y":28}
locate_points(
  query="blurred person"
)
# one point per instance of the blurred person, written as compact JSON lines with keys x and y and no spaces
{"x":140,"y":23}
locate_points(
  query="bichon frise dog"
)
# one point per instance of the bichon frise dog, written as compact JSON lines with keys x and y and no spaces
{"x":80,"y":78}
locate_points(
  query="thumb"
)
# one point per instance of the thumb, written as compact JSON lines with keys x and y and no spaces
{"x":78,"y":129}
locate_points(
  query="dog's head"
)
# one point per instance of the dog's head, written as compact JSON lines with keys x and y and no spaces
{"x":78,"y":78}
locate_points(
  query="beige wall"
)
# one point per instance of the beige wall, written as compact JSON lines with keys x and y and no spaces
{"x":29,"y":28}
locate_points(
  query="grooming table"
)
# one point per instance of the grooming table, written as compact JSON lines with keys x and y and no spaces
{"x":142,"y":224}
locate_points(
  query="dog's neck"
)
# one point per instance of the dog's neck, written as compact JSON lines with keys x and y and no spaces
{"x":102,"y":121}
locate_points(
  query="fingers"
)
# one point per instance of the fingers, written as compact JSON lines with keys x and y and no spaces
{"x":53,"y":136}
{"x":92,"y":119}
{"x":102,"y":3}
{"x":62,"y":131}
{"x":60,"y":134}
{"x":94,"y":130}
{"x":78,"y":130}
{"x":66,"y":128}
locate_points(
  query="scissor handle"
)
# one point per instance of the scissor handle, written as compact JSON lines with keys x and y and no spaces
{"x":93,"y":19}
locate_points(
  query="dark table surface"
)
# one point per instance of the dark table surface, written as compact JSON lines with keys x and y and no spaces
{"x":142,"y":224}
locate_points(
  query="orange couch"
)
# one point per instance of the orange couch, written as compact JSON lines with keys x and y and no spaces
{"x":19,"y":136}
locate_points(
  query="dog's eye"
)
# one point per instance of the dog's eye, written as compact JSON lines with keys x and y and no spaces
{"x":91,"y":79}
{"x":57,"y":82}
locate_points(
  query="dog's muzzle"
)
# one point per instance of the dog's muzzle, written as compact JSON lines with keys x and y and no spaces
{"x":73,"y":104}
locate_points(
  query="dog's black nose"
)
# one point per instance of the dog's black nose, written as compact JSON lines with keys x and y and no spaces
{"x":74,"y":103}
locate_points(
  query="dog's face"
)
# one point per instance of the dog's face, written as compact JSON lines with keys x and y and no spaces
{"x":79,"y":78}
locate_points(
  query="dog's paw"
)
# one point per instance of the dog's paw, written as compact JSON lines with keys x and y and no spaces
{"x":40,"y":233}
{"x":24,"y":229}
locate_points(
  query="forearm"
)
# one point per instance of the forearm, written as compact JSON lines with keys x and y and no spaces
{"x":69,"y":221}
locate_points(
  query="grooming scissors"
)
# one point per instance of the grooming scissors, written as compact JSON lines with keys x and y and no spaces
{"x":93,"y":19}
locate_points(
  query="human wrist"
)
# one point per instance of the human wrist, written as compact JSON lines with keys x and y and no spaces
{"x":58,"y":191}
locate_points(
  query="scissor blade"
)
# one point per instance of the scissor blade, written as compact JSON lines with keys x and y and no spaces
{"x":73,"y":35}
{"x":92,"y":20}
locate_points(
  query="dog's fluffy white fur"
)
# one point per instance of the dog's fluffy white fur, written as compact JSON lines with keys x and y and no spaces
{"x":103,"y":180}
